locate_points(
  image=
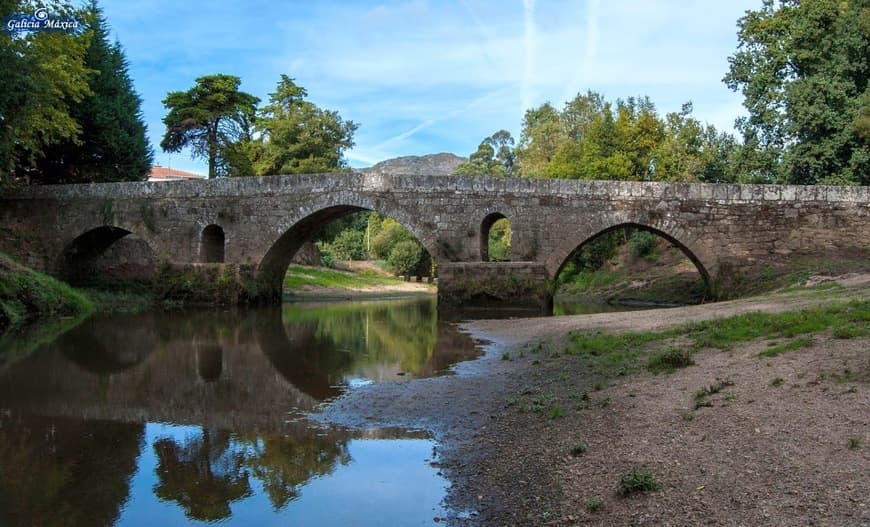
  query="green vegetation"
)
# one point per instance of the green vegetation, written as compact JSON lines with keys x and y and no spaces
{"x":802,"y":68}
{"x":638,"y":479}
{"x":26,"y":295}
{"x":299,"y":276}
{"x":669,"y":359}
{"x":611,"y":354}
{"x":778,"y":349}
{"x":594,"y":503}
{"x":701,"y":396}
{"x":579,"y":448}
{"x":66,"y":100}
{"x":854,"y":443}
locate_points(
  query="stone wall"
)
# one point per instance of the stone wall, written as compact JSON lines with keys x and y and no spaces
{"x":728,"y":231}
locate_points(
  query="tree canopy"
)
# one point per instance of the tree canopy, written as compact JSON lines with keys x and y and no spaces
{"x":803,"y":67}
{"x":209,"y":118}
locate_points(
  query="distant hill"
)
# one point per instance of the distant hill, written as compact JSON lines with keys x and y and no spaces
{"x":430,"y":165}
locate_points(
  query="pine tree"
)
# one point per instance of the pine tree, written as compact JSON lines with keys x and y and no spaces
{"x":112,"y":145}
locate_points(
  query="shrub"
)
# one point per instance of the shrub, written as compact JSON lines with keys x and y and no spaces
{"x":579,"y":448}
{"x":639,"y":479}
{"x":669,"y":359}
{"x":594,"y":503}
{"x":349,"y":245}
{"x":642,"y":243}
{"x":390,"y":234}
{"x":404,"y":257}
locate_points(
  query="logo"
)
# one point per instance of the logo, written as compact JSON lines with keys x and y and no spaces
{"x":41,"y":20}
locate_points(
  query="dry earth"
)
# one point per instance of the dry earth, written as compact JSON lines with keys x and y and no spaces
{"x":788,"y":443}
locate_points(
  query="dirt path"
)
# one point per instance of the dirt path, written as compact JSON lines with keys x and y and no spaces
{"x":786,"y":442}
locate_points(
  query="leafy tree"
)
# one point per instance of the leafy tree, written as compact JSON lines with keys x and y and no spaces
{"x":43,"y":75}
{"x":494,"y":157}
{"x":803,"y":67}
{"x":112,"y":145}
{"x":297,"y":137}
{"x":211,"y":118}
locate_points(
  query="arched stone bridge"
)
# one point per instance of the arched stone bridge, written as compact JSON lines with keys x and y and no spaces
{"x":255,"y":225}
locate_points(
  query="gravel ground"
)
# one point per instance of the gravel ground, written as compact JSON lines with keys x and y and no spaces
{"x":787,"y":443}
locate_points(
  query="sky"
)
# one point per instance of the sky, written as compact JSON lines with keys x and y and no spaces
{"x":428,"y":76}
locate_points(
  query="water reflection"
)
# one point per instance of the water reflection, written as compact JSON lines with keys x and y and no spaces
{"x":75,"y":416}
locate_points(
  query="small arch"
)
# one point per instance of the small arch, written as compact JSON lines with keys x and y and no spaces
{"x":495,"y":248}
{"x":212,"y":244}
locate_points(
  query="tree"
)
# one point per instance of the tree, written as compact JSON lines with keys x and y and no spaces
{"x":494,"y":157}
{"x":803,"y":68}
{"x":112,"y":145}
{"x":297,"y":137}
{"x":210,"y":118}
{"x":43,"y":75}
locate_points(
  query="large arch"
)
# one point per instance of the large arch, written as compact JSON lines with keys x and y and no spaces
{"x":694,"y":251}
{"x":78,"y":259}
{"x":274,"y":264}
{"x":485,"y":226}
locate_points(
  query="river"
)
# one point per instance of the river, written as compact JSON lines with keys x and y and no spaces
{"x":188,"y":417}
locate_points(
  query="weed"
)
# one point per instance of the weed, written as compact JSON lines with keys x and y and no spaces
{"x":556,"y":411}
{"x":777,"y":381}
{"x":779,"y":349}
{"x":850,"y":332}
{"x":687,"y":415}
{"x":669,"y":359}
{"x":506,"y":356}
{"x":597,"y":387}
{"x":854,"y":443}
{"x":702,"y":394}
{"x":594,"y":503}
{"x":639,"y":479}
{"x":579,"y":448}
{"x":604,"y":402}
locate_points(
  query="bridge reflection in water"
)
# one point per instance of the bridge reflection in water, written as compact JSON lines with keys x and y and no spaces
{"x":194,"y":415}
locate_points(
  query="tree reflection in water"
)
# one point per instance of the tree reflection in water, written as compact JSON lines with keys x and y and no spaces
{"x":208,"y":471}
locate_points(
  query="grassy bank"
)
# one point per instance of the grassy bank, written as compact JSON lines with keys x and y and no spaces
{"x":27,"y":295}
{"x":613,"y":354}
{"x":299,"y":276}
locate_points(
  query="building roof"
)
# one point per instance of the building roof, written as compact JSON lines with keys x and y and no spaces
{"x":159,"y":173}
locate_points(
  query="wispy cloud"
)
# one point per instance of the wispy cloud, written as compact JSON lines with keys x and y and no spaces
{"x":425,"y":76}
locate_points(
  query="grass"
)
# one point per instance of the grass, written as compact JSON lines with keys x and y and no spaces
{"x":594,"y":503}
{"x":299,"y":276}
{"x":669,"y":359}
{"x":27,"y":295}
{"x":613,"y":354}
{"x":702,"y":394}
{"x":638,"y":479}
{"x":854,"y":443}
{"x":579,"y":448}
{"x":779,"y":349}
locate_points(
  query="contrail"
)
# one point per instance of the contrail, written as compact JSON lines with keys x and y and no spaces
{"x":529,"y":66}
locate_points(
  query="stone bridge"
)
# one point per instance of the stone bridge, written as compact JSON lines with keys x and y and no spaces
{"x":250,"y":228}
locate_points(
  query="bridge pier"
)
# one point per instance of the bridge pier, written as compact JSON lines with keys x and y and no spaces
{"x":496,"y":284}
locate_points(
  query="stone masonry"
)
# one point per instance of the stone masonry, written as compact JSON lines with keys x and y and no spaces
{"x":728,"y":231}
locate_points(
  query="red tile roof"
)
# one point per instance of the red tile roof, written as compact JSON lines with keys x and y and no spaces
{"x":159,"y":173}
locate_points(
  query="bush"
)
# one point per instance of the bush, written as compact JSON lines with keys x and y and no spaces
{"x":327,"y":256}
{"x":404,"y":257}
{"x":642,"y":243}
{"x":349,"y":245}
{"x":669,"y":359}
{"x":389,"y":234}
{"x":640,"y":479}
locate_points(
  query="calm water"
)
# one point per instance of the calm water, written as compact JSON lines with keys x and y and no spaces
{"x":192,"y":417}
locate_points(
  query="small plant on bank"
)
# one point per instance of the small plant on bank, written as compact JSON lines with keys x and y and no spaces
{"x":556,"y":411}
{"x":579,"y":448}
{"x":506,"y":356}
{"x":594,"y":503}
{"x":669,"y":359}
{"x":638,"y":479}
{"x":854,"y":443}
{"x":702,"y":394}
{"x":777,"y":381}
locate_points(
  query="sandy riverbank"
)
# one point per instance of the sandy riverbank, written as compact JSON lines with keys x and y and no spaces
{"x":788,"y":443}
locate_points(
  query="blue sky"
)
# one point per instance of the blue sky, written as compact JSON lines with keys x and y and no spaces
{"x":428,"y":76}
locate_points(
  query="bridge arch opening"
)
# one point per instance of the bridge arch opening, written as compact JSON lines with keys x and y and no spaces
{"x":212,"y":244}
{"x":346,"y":236}
{"x":107,"y":254}
{"x":632,"y":264}
{"x":495,"y":238}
